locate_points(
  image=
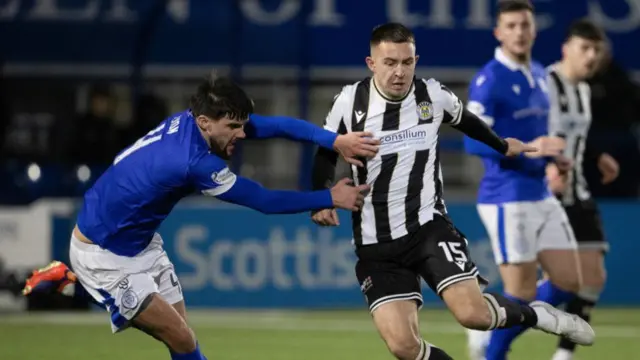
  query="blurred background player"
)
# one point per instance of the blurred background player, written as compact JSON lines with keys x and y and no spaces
{"x":526,"y":224}
{"x":615,"y":121}
{"x":570,"y":118}
{"x":115,"y":251}
{"x":403,"y":233}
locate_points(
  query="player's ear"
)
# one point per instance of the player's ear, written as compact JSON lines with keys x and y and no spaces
{"x":370,"y":63}
{"x":495,"y":33}
{"x":417,"y":58}
{"x":202,"y":122}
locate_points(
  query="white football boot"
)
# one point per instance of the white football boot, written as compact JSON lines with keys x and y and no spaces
{"x":554,"y":321}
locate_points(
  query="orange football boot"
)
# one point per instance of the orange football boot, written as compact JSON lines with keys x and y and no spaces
{"x":56,"y":276}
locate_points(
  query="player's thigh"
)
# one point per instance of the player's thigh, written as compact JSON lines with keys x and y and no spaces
{"x":167,"y":281}
{"x":397,"y":324}
{"x":512,"y":229}
{"x":385,"y":281}
{"x":444,"y":258}
{"x":558,"y":255}
{"x":465,"y":301}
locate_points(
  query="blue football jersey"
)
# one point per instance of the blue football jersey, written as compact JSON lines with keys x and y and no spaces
{"x":513,"y":100}
{"x":126,"y":205}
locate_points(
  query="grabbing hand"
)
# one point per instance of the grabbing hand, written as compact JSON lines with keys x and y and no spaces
{"x":347,"y":196}
{"x":356,"y":144}
{"x":546,"y":146}
{"x":326,"y":217}
{"x":517,"y":147}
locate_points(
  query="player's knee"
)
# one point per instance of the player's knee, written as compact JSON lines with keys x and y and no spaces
{"x":181,"y":339}
{"x":467,"y":305}
{"x":567,"y":283}
{"x":403,"y":347}
{"x":594,"y":277}
{"x":474,"y":316}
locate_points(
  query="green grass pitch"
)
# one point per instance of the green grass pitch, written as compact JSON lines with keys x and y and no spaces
{"x":283,"y":335}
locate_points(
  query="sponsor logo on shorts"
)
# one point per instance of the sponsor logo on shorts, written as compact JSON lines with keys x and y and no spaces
{"x":366,"y":284}
{"x":124,"y":284}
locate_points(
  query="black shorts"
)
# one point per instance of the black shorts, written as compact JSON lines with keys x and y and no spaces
{"x":437,"y":252}
{"x":585,"y":221}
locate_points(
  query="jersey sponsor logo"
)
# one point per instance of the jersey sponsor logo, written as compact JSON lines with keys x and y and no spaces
{"x":360,"y":115}
{"x":425,"y":110}
{"x":222,"y":177}
{"x":414,"y":138}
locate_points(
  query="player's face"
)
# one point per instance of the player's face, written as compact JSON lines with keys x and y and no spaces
{"x":393,"y":66}
{"x":222,"y":134}
{"x":516,"y":32}
{"x":582,"y":55}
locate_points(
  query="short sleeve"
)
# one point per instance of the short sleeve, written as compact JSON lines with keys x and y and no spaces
{"x":447,"y":100}
{"x":335,"y":119}
{"x":482,"y":101}
{"x":210,"y":175}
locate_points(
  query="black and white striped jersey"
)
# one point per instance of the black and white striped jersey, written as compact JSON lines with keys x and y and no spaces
{"x":405,"y":176}
{"x":570,"y":118}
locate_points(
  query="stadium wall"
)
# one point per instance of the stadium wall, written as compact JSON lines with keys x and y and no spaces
{"x":229,"y":257}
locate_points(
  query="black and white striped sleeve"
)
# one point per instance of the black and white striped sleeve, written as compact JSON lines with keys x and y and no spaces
{"x":558,"y":104}
{"x":335,"y":120}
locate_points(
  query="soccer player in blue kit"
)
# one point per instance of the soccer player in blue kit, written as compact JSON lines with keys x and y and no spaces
{"x":527,"y":225}
{"x":115,"y":252}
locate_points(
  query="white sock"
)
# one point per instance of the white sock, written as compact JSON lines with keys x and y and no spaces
{"x":562,"y":354}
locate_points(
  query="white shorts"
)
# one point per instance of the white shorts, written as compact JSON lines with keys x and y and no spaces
{"x":520,"y":230}
{"x":120,"y":283}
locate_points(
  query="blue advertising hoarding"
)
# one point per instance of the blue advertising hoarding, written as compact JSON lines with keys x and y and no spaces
{"x":316,"y":33}
{"x":239,"y":258}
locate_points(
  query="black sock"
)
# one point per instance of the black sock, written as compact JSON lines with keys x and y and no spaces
{"x":430,"y":352}
{"x":582,"y":308}
{"x":508,"y":312}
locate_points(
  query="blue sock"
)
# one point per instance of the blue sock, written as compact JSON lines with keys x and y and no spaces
{"x":549,"y":293}
{"x":194,"y":355}
{"x":501,"y":339}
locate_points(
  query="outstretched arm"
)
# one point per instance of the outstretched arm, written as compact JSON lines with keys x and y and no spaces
{"x":263,"y":127}
{"x":211,"y":176}
{"x":350,"y":146}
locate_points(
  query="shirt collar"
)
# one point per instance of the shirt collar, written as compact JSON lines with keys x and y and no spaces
{"x":506,"y":61}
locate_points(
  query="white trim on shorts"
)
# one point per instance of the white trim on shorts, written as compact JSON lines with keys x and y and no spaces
{"x":442,"y":285}
{"x":396,"y":297}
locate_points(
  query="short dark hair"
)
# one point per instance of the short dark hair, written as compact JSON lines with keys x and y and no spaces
{"x":218,"y":97}
{"x":391,"y":32}
{"x":586,"y":29}
{"x":507,"y":6}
